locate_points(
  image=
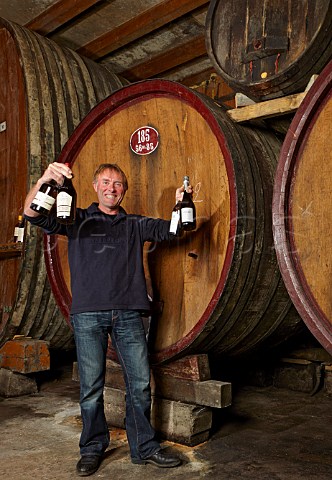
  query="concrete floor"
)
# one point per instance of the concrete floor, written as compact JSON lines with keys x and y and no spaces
{"x":266,"y":434}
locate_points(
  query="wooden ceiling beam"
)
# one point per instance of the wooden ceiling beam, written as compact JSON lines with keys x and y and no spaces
{"x":58,"y":14}
{"x":142,"y":24}
{"x":166,"y":60}
{"x":197,"y":78}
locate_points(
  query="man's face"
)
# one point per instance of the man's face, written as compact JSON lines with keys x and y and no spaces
{"x":110,"y":191}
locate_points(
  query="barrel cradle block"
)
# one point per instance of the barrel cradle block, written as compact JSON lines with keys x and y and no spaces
{"x":298,"y":374}
{"x":211,"y":393}
{"x":25,"y":355}
{"x":176,"y":421}
{"x":181,"y":422}
{"x":180,"y":407}
{"x":168,"y":383}
{"x":14,"y":384}
{"x":328,"y":379}
{"x":115,"y":407}
{"x":191,"y":367}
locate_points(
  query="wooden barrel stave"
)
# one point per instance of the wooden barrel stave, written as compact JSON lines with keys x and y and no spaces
{"x":71,"y":101}
{"x":102,"y":84}
{"x":57,"y":91}
{"x":259,"y":277}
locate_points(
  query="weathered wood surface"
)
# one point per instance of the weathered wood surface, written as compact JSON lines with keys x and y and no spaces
{"x":211,"y":393}
{"x":10,"y":250}
{"x":265,"y":49}
{"x":25,"y":355}
{"x":328,"y":378}
{"x":270,"y":108}
{"x":176,"y":421}
{"x":13,"y":384}
{"x":191,"y":367}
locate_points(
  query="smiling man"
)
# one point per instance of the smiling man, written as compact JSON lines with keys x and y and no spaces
{"x":109,"y":295}
{"x":110,"y":186}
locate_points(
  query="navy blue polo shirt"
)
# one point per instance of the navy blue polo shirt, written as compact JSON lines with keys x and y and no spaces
{"x":105,"y":254}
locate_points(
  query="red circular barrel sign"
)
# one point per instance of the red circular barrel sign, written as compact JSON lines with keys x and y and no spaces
{"x":144,"y":140}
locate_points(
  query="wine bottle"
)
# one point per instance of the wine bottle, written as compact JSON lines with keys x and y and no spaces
{"x":45,"y":198}
{"x":19,"y":230}
{"x":188,"y":209}
{"x":175,"y":226}
{"x":66,"y":202}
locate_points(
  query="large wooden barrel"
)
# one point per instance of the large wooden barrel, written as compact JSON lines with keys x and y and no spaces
{"x":269,"y":48}
{"x":45,"y":91}
{"x":220,"y":286}
{"x":302,"y":213}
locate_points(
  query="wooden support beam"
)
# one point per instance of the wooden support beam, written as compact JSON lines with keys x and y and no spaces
{"x":270,"y":108}
{"x":328,"y":379}
{"x":298,"y":374}
{"x":181,"y":422}
{"x":195,"y":79}
{"x":176,"y":421}
{"x":25,"y":355}
{"x":210,"y":393}
{"x":144,"y":23}
{"x":166,"y":60}
{"x":191,"y":367}
{"x":13,"y":384}
{"x":58,"y":14}
{"x":10,"y":250}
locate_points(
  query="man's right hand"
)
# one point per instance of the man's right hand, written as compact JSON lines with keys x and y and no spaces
{"x":55,"y":171}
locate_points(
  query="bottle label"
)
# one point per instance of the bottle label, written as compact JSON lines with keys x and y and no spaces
{"x":43,"y":200}
{"x":20,"y":234}
{"x":174,"y":222}
{"x":63,"y":204}
{"x":187,"y":215}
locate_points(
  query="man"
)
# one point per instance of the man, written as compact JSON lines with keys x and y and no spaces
{"x":105,"y":251}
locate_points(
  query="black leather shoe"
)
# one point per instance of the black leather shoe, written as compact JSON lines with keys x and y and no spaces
{"x":160,"y":459}
{"x":87,"y":465}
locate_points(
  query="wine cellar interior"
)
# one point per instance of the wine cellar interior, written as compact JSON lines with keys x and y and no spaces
{"x":238,"y":96}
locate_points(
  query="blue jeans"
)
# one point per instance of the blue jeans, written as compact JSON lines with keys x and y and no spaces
{"x":91,"y":330}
